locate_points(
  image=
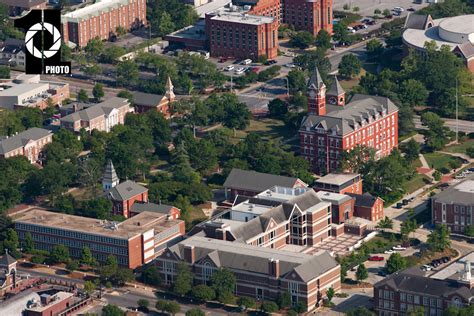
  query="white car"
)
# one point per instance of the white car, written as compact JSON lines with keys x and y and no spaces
{"x":389,"y":252}
{"x":247,"y":62}
{"x":289,"y":54}
{"x":426,"y":267}
{"x":239,"y":70}
{"x":399,"y":248}
{"x":351,"y":29}
{"x":229,"y":68}
{"x":290,"y":65}
{"x":398,"y":9}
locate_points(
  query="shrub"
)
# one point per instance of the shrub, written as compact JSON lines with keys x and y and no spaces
{"x":269,"y":307}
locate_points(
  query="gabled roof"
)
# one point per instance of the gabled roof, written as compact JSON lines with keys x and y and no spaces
{"x":7,"y":260}
{"x":139,"y":207}
{"x":364,"y":200}
{"x":343,"y":119}
{"x":146,"y":99}
{"x":466,"y":49}
{"x":21,"y":139}
{"x":315,"y":81}
{"x":97,"y":110}
{"x":126,"y":190}
{"x":12,"y":46}
{"x":256,"y":181}
{"x":237,"y":256}
{"x":335,"y":89}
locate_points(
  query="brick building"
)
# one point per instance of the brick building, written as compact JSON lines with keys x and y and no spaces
{"x":144,"y":102}
{"x":8,"y":274}
{"x":50,"y":304}
{"x":261,"y":273}
{"x":134,"y":242}
{"x":308,"y":15}
{"x":454,"y":207}
{"x":339,"y":183}
{"x":29,"y":143}
{"x":102,"y":19}
{"x":342,"y":206}
{"x":328,"y":129}
{"x":101,"y":116}
{"x":241,"y":35}
{"x":368,"y":206}
{"x":405,"y":291}
{"x":251,"y":183}
{"x":263,"y":7}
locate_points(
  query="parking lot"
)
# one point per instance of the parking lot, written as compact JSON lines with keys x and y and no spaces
{"x":367,"y":7}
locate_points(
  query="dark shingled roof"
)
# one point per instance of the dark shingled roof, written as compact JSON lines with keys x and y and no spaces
{"x":146,"y":99}
{"x":256,"y":181}
{"x":335,"y":89}
{"x":343,"y":119}
{"x":21,"y":139}
{"x":139,"y":207}
{"x":406,"y":281}
{"x":315,"y":81}
{"x":466,"y":49}
{"x":6,"y":260}
{"x":126,"y":190}
{"x":255,"y":200}
{"x":254,"y":259}
{"x":363,"y":200}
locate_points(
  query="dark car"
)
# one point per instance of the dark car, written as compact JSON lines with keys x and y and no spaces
{"x":376,"y":258}
{"x":270,"y":62}
{"x":399,"y":205}
{"x":405,"y":201}
{"x":411,"y":9}
{"x":371,"y":22}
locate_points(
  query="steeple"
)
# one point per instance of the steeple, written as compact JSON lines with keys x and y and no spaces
{"x":336,"y":94}
{"x":169,"y":90}
{"x":109,"y":179}
{"x":316,"y":94}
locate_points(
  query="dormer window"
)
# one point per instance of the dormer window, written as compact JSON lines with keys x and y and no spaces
{"x":320,"y":130}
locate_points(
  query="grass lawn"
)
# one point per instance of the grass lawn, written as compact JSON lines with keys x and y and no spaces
{"x":351,"y":83}
{"x":417,"y":163}
{"x":268,"y":129}
{"x":439,"y":161}
{"x":403,"y":137}
{"x":460,"y":148}
{"x":83,"y":193}
{"x":417,"y":182}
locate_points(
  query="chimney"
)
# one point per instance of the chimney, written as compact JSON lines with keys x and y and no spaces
{"x":189,"y":254}
{"x":274,"y":267}
{"x":221,"y":234}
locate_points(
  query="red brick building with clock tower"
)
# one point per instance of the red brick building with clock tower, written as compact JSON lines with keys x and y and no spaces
{"x":333,"y":125}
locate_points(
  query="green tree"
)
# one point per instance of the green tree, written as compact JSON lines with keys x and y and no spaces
{"x":203,"y":293}
{"x":59,"y":254}
{"x":385,"y":223}
{"x":161,"y":305}
{"x":87,"y":258}
{"x":151,"y":276}
{"x":269,"y":307}
{"x":413,"y":92}
{"x":361,"y":273}
{"x":356,"y":159}
{"x":89,"y":287}
{"x":412,"y":150}
{"x":98,"y":91}
{"x":72,"y":265}
{"x":82,"y":96}
{"x":4,"y":72}
{"x":438,"y":239}
{"x":386,"y":13}
{"x":323,"y":40}
{"x":11,"y":241}
{"x":277,"y":108}
{"x":112,"y":310}
{"x":184,"y":280}
{"x":143,"y":304}
{"x":350,"y":66}
{"x":296,"y":81}
{"x":396,"y":263}
{"x":469,"y":231}
{"x":418,"y":311}
{"x":126,"y":94}
{"x":91,"y":70}
{"x":223,"y":283}
{"x":166,"y":25}
{"x":437,"y":175}
{"x":437,"y":135}
{"x":28,"y":244}
{"x":94,"y":48}
{"x":470,"y":151}
{"x":195,"y":312}
{"x":127,"y":73}
{"x":172,"y":307}
{"x":359,"y":311}
{"x":248,"y":302}
{"x":374,"y":48}
{"x":284,"y":300}
{"x":301,"y":39}
{"x":330,"y":294}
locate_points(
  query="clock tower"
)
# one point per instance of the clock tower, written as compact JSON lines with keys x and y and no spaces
{"x":316,"y":94}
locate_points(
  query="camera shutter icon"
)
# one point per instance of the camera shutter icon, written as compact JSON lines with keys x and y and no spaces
{"x":40,"y":27}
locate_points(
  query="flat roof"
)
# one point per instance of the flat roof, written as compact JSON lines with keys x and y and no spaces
{"x":18,"y":89}
{"x":251,"y":208}
{"x":55,"y":298}
{"x":196,"y":31}
{"x":95,"y":9}
{"x":337,"y":178}
{"x":125,"y":230}
{"x":282,"y":194}
{"x":333,"y":197}
{"x":238,"y":17}
{"x":462,"y":24}
{"x":211,"y":6}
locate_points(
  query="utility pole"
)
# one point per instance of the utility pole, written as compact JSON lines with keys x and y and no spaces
{"x":231,"y":82}
{"x":287,"y":87}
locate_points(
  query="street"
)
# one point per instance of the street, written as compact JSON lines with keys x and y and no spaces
{"x":464,"y":126}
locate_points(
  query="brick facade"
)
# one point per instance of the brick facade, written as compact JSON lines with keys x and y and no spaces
{"x":311,"y":16}
{"x":80,"y":28}
{"x":37,"y":140}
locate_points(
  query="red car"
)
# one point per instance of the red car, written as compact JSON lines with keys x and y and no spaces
{"x":376,"y":258}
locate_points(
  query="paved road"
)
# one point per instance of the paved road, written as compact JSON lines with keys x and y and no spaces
{"x":367,"y":7}
{"x":464,"y":126}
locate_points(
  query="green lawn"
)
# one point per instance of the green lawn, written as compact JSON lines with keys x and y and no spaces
{"x":439,"y":161}
{"x":268,"y":129}
{"x":460,"y":148}
{"x":417,"y":163}
{"x":417,"y":182}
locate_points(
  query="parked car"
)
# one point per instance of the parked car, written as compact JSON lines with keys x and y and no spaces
{"x":290,"y":65}
{"x":398,"y":9}
{"x":222,"y":60}
{"x":373,"y":22}
{"x":426,"y":267}
{"x":270,"y":62}
{"x":229,"y":68}
{"x":247,"y":62}
{"x":411,"y":9}
{"x":255,"y":69}
{"x":399,"y":248}
{"x":389,"y":252}
{"x":376,"y":258}
{"x":399,"y":205}
{"x":289,"y":54}
{"x":239,"y":70}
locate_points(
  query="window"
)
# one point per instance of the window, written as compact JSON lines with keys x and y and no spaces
{"x":425,"y":300}
{"x":403,"y":307}
{"x":416,"y":299}
{"x":410,"y":298}
{"x":403,"y":297}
